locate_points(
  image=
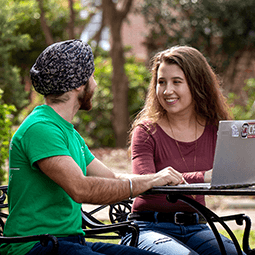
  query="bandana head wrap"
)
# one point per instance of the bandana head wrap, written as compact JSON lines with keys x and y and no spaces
{"x":62,"y":67}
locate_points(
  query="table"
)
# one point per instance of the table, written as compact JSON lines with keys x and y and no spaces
{"x":174,"y":194}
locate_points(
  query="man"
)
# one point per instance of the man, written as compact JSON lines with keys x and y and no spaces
{"x":52,"y":170}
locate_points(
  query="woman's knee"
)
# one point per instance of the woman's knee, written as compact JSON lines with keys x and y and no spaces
{"x":160,"y":243}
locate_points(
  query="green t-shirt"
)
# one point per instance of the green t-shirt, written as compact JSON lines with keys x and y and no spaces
{"x":37,"y":205}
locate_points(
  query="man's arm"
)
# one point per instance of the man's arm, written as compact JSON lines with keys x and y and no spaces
{"x":97,"y":169}
{"x":102,"y":187}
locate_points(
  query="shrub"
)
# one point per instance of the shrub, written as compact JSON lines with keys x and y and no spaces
{"x":244,"y":110}
{"x":5,"y":134}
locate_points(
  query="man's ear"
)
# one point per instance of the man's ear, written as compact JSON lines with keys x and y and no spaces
{"x":79,"y":88}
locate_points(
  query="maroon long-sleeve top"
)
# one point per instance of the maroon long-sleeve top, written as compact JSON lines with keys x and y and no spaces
{"x":153,"y":150}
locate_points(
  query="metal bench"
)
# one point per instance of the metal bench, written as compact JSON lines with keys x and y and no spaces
{"x":91,"y":226}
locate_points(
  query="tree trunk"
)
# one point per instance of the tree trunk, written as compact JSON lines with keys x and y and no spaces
{"x":71,"y":21}
{"x":120,"y":91}
{"x":115,"y":14}
{"x":45,"y":27}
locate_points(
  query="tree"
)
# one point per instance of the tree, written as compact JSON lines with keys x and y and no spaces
{"x":11,"y":15}
{"x":36,"y":24}
{"x":224,"y":31}
{"x":68,"y":26}
{"x":5,"y":134}
{"x":114,"y":14}
{"x":48,"y":21}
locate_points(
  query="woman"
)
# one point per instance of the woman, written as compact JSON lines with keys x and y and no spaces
{"x":177,"y":128}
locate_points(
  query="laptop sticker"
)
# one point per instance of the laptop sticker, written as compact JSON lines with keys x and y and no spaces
{"x":248,"y":130}
{"x":235,"y":132}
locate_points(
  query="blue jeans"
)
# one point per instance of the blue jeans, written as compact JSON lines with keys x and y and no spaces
{"x":170,"y":239}
{"x":76,"y":245}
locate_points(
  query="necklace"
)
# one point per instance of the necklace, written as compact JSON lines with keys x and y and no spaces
{"x":177,"y":144}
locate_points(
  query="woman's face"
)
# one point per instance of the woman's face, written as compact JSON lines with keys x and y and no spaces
{"x":173,"y":91}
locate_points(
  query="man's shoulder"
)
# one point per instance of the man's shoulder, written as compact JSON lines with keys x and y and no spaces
{"x":40,"y":113}
{"x":39,"y":124}
{"x":45,"y":117}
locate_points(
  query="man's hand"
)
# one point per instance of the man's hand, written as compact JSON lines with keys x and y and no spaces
{"x":168,"y":176}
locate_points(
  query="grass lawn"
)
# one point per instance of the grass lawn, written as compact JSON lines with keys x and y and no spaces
{"x":239,"y":236}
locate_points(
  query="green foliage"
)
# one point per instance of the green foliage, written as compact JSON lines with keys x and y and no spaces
{"x":22,"y":40}
{"x":14,"y":93}
{"x":139,"y":79}
{"x":11,"y":39}
{"x":57,"y":17}
{"x":244,"y":110}
{"x":5,"y":134}
{"x":215,"y":27}
{"x":96,"y":125}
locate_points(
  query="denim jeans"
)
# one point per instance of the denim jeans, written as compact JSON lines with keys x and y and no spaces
{"x":76,"y":245}
{"x":171,"y":239}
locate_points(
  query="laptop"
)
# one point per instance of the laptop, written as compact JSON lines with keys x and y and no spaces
{"x":234,"y":159}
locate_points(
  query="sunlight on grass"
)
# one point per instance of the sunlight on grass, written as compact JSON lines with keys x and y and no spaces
{"x":239,"y":236}
{"x":115,"y":241}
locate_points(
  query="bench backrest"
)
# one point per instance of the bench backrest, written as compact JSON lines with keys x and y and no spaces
{"x":3,"y":207}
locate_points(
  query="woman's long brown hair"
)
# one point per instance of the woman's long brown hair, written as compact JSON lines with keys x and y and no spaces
{"x":210,"y":104}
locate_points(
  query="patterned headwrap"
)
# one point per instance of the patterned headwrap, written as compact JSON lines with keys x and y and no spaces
{"x":62,"y":67}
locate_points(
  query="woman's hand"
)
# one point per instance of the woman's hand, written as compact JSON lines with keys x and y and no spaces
{"x":208,"y":176}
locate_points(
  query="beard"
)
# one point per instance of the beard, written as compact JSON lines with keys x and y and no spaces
{"x":85,"y":100}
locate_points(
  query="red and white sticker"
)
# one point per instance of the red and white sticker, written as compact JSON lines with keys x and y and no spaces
{"x":248,"y":130}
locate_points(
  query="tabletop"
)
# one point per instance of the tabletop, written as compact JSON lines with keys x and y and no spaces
{"x":171,"y":190}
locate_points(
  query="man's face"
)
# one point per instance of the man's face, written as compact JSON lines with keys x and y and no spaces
{"x":86,"y":95}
